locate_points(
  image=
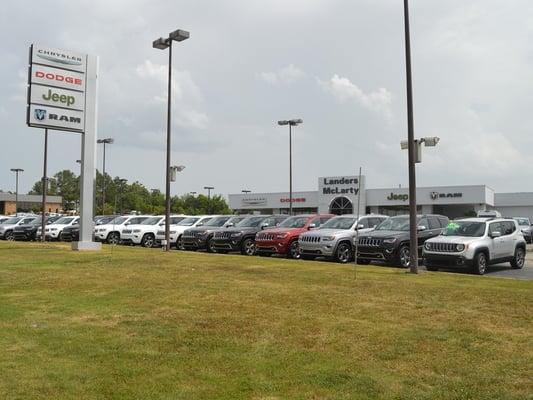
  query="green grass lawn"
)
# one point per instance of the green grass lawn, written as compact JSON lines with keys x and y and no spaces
{"x":132,"y":323}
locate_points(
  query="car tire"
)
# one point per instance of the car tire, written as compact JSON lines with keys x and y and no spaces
{"x":113,"y":238}
{"x":210,"y":246}
{"x":519,"y":258}
{"x":343,"y":254}
{"x":479,"y":266}
{"x":9,"y":235}
{"x":179,"y":243}
{"x":148,"y":240}
{"x":248,"y":247}
{"x":294,"y":250}
{"x":404,"y":256}
{"x":363,"y":261}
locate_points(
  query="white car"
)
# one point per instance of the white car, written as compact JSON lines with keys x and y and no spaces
{"x":53,"y":231}
{"x":110,"y":232}
{"x":176,"y":230}
{"x":144,"y":233}
{"x":7,"y":226}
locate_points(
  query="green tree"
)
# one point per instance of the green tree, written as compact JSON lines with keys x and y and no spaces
{"x":68,"y":186}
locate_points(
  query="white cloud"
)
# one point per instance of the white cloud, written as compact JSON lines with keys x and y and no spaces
{"x":191,"y":119}
{"x":285,"y":75}
{"x":378,"y":101}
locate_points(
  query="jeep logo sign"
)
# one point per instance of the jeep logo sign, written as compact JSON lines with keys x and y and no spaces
{"x":395,"y":196}
{"x":56,"y":97}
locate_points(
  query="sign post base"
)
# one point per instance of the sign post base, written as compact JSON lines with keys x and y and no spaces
{"x":86,"y":246}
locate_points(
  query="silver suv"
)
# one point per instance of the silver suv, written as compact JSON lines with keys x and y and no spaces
{"x":335,"y":238}
{"x":476,"y":243}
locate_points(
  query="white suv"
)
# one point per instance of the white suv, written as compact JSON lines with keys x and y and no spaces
{"x":476,"y":243}
{"x":177,"y":229}
{"x":53,"y":231}
{"x":110,"y":232}
{"x":144,"y":233}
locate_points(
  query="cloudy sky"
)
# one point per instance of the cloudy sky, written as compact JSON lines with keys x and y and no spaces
{"x":337,"y":64}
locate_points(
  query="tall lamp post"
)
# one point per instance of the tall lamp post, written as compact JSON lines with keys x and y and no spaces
{"x":291,"y":123}
{"x":16,"y":171}
{"x":104,"y":142}
{"x":209,"y":188}
{"x":161,"y":44}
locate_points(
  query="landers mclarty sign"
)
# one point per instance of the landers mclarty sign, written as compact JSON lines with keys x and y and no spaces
{"x":332,"y":186}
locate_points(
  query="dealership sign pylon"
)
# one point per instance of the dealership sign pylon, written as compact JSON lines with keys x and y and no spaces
{"x":62,"y":94}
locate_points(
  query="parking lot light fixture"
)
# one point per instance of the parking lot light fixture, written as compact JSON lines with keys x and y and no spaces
{"x":178,"y":35}
{"x":209,"y":188}
{"x":104,"y":142}
{"x":291,"y":123}
{"x":16,"y":171}
{"x":246,"y":191}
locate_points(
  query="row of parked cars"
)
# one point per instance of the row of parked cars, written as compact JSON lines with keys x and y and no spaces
{"x":471,"y":243}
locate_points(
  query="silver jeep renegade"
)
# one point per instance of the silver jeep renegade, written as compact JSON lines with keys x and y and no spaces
{"x":476,"y":243}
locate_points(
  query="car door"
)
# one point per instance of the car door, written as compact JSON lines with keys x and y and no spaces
{"x":425,"y":234}
{"x":509,"y":238}
{"x":497,"y":250}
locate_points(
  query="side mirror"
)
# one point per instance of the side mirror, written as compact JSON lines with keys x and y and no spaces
{"x":265,"y":225}
{"x":359,"y":226}
{"x":311,"y":226}
{"x":200,"y":224}
{"x":230,"y":225}
{"x":127,"y":223}
{"x":495,"y":234}
{"x":421,"y":228}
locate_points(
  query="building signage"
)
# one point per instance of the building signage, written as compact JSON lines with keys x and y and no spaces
{"x":437,"y":195}
{"x":396,"y":196}
{"x":294,"y":200}
{"x":254,"y":201}
{"x":56,"y":93}
{"x":333,"y":185}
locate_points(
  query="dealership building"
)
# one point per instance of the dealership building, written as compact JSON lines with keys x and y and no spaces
{"x":341,"y":195}
{"x":27,"y":202}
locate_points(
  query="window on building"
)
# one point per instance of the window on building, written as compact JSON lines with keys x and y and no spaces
{"x":340,"y":206}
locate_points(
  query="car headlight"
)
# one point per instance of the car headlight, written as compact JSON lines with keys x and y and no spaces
{"x":53,"y":229}
{"x":459,"y":247}
{"x":427,"y":246}
{"x":236,"y":235}
{"x":282,"y":236}
{"x":136,"y":230}
{"x":389,"y":241}
{"x":172,"y":232}
{"x":328,"y":238}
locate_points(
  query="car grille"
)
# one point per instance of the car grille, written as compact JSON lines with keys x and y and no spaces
{"x":310,"y":239}
{"x":222,"y":235}
{"x":127,"y":231}
{"x":442,"y":247}
{"x":160,"y":233}
{"x":265,"y":236}
{"x":370,"y":242}
{"x":190,"y":235}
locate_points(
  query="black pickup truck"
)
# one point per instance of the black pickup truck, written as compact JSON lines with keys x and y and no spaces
{"x":390,"y":241}
{"x":241,"y":237}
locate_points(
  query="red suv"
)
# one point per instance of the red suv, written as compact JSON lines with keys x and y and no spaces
{"x":284,"y":238}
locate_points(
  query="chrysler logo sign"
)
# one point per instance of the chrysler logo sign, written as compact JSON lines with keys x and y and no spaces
{"x":59,"y":57}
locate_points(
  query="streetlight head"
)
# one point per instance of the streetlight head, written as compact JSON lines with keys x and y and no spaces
{"x":106,"y":140}
{"x":179,"y":168}
{"x":285,"y":122}
{"x":160,"y":44}
{"x":404,"y":144}
{"x":179,"y":35}
{"x":17,"y":170}
{"x":209,"y":187}
{"x":295,"y":122}
{"x":431,"y":141}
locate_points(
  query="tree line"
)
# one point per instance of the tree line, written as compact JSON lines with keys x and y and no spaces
{"x":122,"y":197}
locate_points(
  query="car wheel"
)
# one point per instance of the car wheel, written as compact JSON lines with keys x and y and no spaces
{"x":294,"y":250}
{"x":211,"y":246}
{"x":9,"y":235}
{"x":480,"y":264}
{"x":343,"y":253}
{"x":519,"y":258}
{"x":179,"y":244}
{"x":363,"y":261}
{"x":148,"y":240}
{"x":248,"y":247}
{"x":113,"y":238}
{"x":404,"y":256}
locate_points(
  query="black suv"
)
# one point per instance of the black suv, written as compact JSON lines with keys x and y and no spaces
{"x":201,"y":238}
{"x":389,"y":242}
{"x":29,"y":231}
{"x":242,"y":236}
{"x":71,"y":233}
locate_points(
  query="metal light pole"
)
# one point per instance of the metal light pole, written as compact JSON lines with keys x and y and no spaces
{"x":45,"y":180}
{"x":209,"y":188}
{"x":104,"y":142}
{"x":291,"y":123}
{"x":161,"y":44}
{"x":413,"y":237}
{"x":16,"y":171}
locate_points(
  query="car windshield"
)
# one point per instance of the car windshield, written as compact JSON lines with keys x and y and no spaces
{"x":235,"y":220}
{"x":339,"y":223}
{"x":522,"y":221}
{"x":250,"y":222}
{"x":64,"y":221}
{"x":188,"y":221}
{"x":12,"y":220}
{"x":294,"y":222}
{"x":218,"y":221}
{"x":151,"y":221}
{"x":394,"y":224}
{"x":37,"y":221}
{"x":465,"y":228}
{"x":118,"y":221}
